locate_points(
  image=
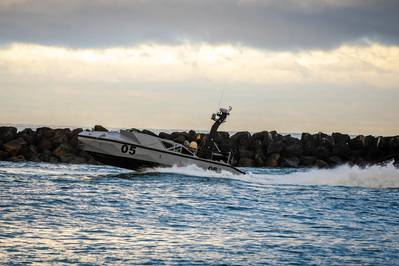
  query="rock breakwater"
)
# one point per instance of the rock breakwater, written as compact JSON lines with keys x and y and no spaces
{"x":271,"y":149}
{"x":262,"y":149}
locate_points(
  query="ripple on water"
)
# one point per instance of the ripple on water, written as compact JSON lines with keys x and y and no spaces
{"x":77,"y":214}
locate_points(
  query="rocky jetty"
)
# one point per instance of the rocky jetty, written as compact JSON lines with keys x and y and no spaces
{"x":262,"y":149}
{"x":42,"y":145}
{"x":270,"y":149}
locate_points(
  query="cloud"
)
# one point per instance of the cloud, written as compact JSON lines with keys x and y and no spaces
{"x":278,"y":25}
{"x":375,"y":66}
{"x":350,"y":89}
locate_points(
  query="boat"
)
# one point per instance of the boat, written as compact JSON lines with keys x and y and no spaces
{"x":137,"y":150}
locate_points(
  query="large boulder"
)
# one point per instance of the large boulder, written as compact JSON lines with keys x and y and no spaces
{"x":325,"y":140}
{"x":289,"y":140}
{"x":357,"y":143}
{"x":307,"y":161}
{"x":292,"y":162}
{"x":63,"y":149}
{"x":394,"y":143}
{"x":275,"y":147}
{"x":28,"y":135}
{"x":7,"y":134}
{"x":31,"y":153}
{"x":272,"y":160}
{"x":60,"y":136}
{"x":225,"y":145}
{"x":241,"y":140}
{"x":306,"y":137}
{"x":341,"y":149}
{"x":335,"y":160}
{"x":44,"y":133}
{"x":76,"y":132}
{"x":320,"y":164}
{"x":260,"y":159}
{"x":48,"y":157}
{"x":246,"y":162}
{"x":340,"y":138}
{"x":14,"y":147}
{"x":293,"y":150}
{"x":219,"y":137}
{"x":71,"y":158}
{"x":45,"y":156}
{"x":4,"y":155}
{"x":100,"y":128}
{"x":264,"y":137}
{"x":260,"y":136}
{"x":244,"y":153}
{"x":44,"y":144}
{"x":309,"y":143}
{"x":73,"y":137}
{"x":17,"y":158}
{"x":321,"y":152}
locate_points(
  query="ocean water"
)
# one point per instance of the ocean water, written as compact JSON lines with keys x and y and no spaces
{"x":95,"y":215}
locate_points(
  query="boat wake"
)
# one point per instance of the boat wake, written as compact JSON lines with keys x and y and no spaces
{"x":386,"y":176}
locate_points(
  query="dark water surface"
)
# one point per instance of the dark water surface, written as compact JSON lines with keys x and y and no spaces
{"x":80,"y":214}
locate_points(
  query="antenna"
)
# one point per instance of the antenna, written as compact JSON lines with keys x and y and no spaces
{"x":221,"y":98}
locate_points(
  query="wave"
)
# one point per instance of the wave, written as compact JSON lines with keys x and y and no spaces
{"x":376,"y":176}
{"x":386,"y":176}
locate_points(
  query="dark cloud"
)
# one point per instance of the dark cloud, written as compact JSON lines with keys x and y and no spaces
{"x":291,"y":24}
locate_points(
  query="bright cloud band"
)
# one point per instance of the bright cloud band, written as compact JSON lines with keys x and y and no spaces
{"x":374,"y":65}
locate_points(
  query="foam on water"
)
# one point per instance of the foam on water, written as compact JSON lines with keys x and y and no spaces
{"x":98,"y":215}
{"x":386,"y":176}
{"x":376,"y":176}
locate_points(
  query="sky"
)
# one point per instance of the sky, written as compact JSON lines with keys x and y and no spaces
{"x":291,"y":66}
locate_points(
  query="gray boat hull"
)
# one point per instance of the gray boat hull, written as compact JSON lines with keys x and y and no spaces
{"x":133,"y":150}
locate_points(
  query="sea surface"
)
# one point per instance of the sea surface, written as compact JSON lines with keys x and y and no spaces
{"x":96,"y":215}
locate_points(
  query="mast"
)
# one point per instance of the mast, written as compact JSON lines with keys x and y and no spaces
{"x":208,"y":145}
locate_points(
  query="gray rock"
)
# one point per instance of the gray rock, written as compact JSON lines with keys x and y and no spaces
{"x":275,"y":147}
{"x":260,"y":159}
{"x":241,"y":139}
{"x":357,"y":143}
{"x":335,"y":160}
{"x":14,"y":147}
{"x":307,"y":160}
{"x":28,"y":135}
{"x":292,"y":162}
{"x":44,"y":133}
{"x":7,"y":134}
{"x":17,"y":158}
{"x":321,"y":164}
{"x":246,"y":162}
{"x":341,"y":138}
{"x":44,"y":145}
{"x":31,"y":154}
{"x":100,"y":128}
{"x":45,"y":156}
{"x":244,"y":153}
{"x":272,"y":160}
{"x":63,"y":149}
{"x":293,"y":150}
{"x":4,"y":155}
{"x":60,"y":136}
